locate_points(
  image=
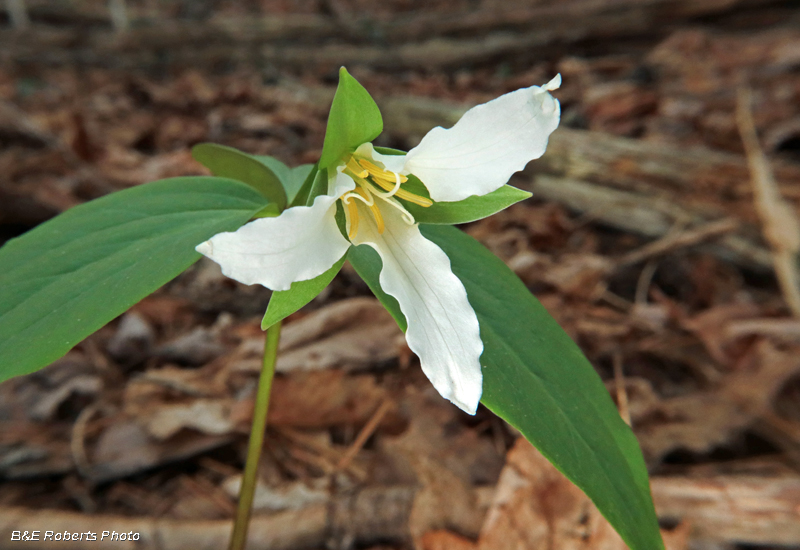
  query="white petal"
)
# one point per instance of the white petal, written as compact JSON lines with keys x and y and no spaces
{"x":487,"y":145}
{"x":443,"y":329}
{"x":300,"y":244}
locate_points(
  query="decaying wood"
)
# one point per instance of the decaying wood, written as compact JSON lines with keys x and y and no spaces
{"x":492,"y":31}
{"x":744,"y":509}
{"x":284,"y":531}
{"x":371,"y":514}
{"x":644,"y":215}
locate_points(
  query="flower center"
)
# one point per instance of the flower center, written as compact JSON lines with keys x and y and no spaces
{"x":373,"y":181}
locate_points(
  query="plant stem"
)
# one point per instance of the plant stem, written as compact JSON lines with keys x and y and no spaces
{"x":248,"y":487}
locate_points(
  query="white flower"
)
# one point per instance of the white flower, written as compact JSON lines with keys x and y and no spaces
{"x":475,"y":157}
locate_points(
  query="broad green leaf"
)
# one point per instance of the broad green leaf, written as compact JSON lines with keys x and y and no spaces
{"x":291,"y":178}
{"x":227,"y":162}
{"x":354,"y":119}
{"x":537,"y":379}
{"x":285,"y":302}
{"x":69,"y":276}
{"x":467,"y":210}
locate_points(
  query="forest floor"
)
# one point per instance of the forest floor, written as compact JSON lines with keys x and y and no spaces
{"x":649,"y":238}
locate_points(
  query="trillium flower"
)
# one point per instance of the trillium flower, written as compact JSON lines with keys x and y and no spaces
{"x":375,"y":193}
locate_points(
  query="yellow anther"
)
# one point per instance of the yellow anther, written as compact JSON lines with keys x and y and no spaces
{"x":403,"y":194}
{"x":357,"y":170}
{"x":352,"y":217}
{"x":373,"y":208}
{"x":377,"y":172}
{"x":416,"y":199}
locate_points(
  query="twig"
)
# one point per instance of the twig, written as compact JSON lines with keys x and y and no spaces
{"x":362,"y":437}
{"x":779,"y":328}
{"x":779,"y":221}
{"x":645,"y":278}
{"x":76,"y":444}
{"x":677,"y":240}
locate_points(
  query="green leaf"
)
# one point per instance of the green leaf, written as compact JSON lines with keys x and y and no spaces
{"x":291,"y":178}
{"x":285,"y":302}
{"x":227,"y":162}
{"x":537,"y":379}
{"x":467,"y":210}
{"x":71,"y":275}
{"x":354,"y":119}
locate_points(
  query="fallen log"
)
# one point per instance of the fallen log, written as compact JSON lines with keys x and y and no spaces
{"x":743,"y":509}
{"x":720,"y":509}
{"x":429,"y":40}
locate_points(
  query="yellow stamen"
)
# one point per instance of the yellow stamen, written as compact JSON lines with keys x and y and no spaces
{"x":377,"y":172}
{"x":352,"y":217}
{"x":403,"y":194}
{"x":373,"y":208}
{"x":357,"y":170}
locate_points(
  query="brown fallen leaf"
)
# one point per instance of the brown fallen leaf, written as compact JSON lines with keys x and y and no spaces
{"x":442,"y":539}
{"x":535,"y":506}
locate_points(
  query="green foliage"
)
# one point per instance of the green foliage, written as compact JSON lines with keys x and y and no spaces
{"x":71,"y":275}
{"x":291,"y":178}
{"x":227,"y":162}
{"x":285,"y":302}
{"x":304,"y":192}
{"x":537,"y":379}
{"x":467,"y":210}
{"x":354,"y":119}
{"x":319,"y":186}
{"x":367,"y":262}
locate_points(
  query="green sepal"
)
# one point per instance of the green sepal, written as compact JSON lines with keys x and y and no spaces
{"x":291,"y":178}
{"x":285,"y":302}
{"x":537,"y":379}
{"x":301,"y":198}
{"x":367,"y":263}
{"x":354,"y":119}
{"x":389,"y":150}
{"x":269,"y":211}
{"x":341,"y":220}
{"x":319,"y":186}
{"x":467,"y":210}
{"x":315,"y":184}
{"x":227,"y":162}
{"x":69,"y":276}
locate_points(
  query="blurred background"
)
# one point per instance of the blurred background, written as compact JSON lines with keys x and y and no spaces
{"x":656,"y":237}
